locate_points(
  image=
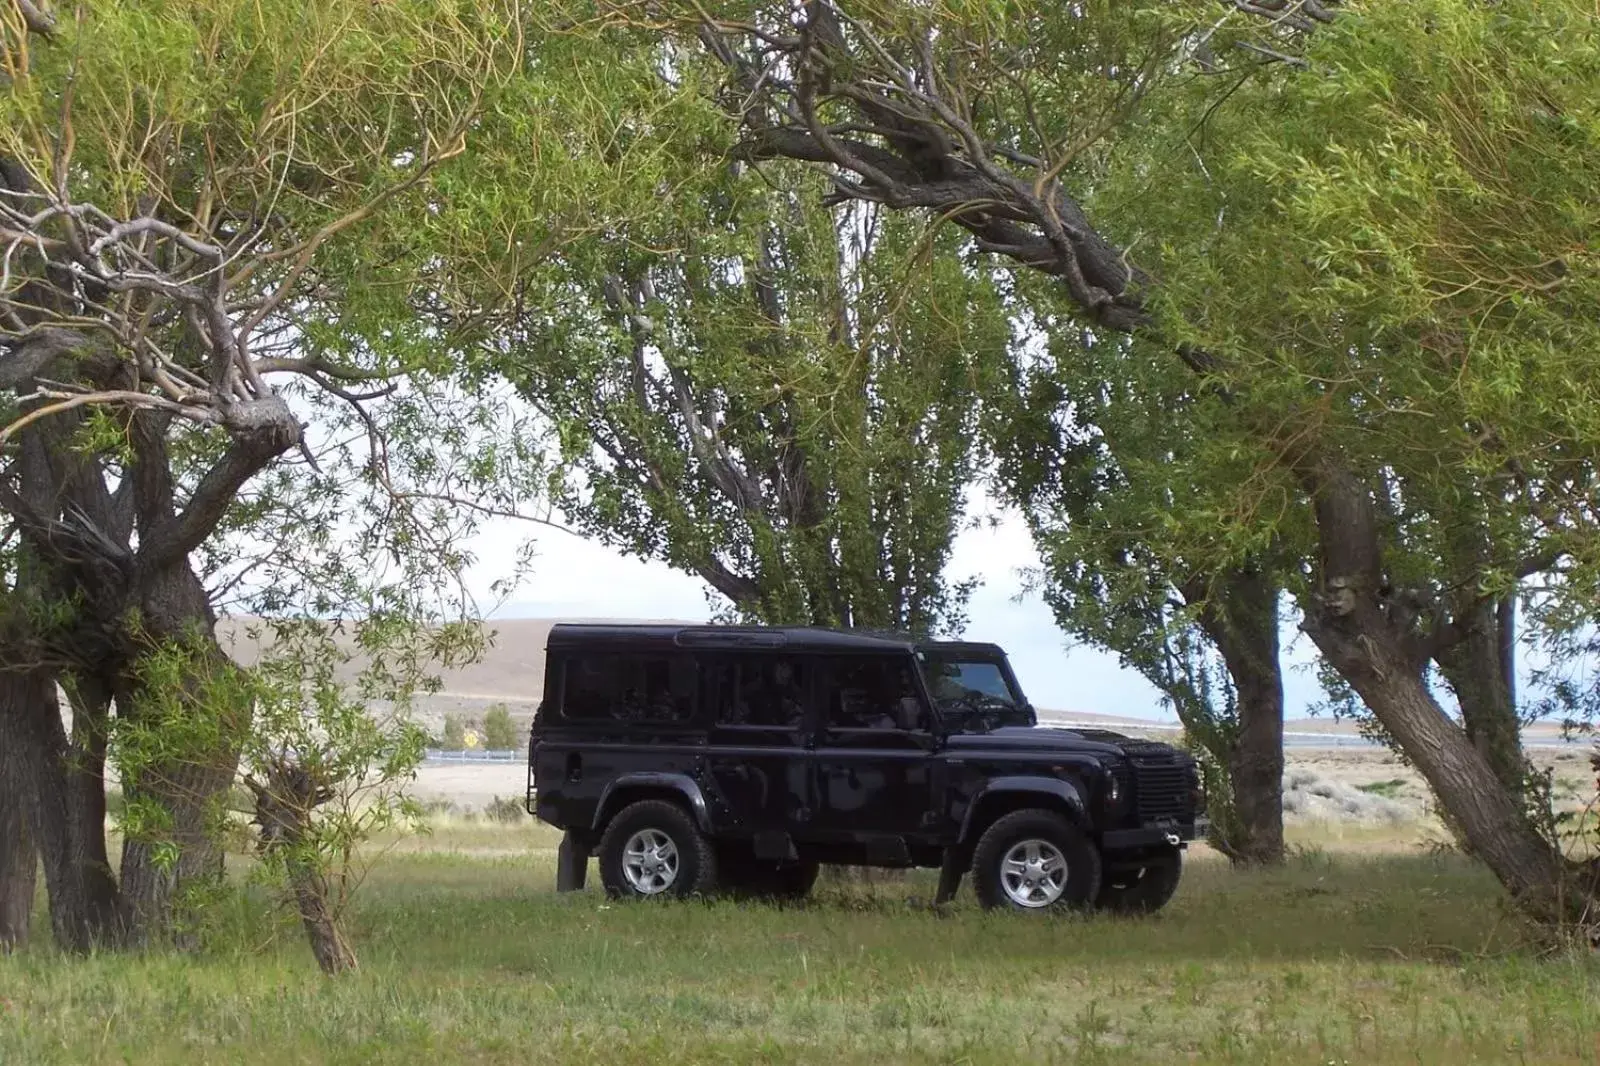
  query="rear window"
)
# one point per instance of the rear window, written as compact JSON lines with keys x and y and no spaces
{"x":766,"y":691}
{"x":629,"y":688}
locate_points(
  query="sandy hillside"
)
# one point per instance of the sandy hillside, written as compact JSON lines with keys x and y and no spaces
{"x":511,"y":672}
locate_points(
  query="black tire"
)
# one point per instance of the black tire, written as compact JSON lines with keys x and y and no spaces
{"x":695,"y":872}
{"x":1082,"y":879}
{"x":747,"y":877}
{"x":1142,"y":889}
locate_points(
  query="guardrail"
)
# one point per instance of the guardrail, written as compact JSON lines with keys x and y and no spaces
{"x":482,"y":755}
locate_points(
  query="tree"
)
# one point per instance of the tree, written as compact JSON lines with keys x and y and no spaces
{"x":1392,"y":335}
{"x":212,"y":326}
{"x":156,"y":274}
{"x":454,"y":737}
{"x":783,"y":400}
{"x":1087,"y":439}
{"x":498,"y":732}
{"x":892,"y":131}
{"x":1396,"y":325}
{"x":327,"y":773}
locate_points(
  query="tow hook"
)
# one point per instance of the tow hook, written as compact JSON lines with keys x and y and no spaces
{"x":1173,"y":839}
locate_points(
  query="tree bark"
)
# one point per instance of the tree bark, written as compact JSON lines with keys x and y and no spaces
{"x":1242,"y":621}
{"x":1481,"y":672}
{"x":333,"y":952}
{"x":1385,"y":662}
{"x":84,"y":903}
{"x":19,"y":861}
{"x":191,"y":785}
{"x":285,"y":805}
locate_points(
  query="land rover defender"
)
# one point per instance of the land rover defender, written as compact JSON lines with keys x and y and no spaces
{"x":704,"y":759}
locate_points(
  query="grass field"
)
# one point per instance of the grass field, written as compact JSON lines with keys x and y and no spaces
{"x":1366,"y":949}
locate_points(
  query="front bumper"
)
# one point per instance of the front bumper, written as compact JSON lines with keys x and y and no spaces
{"x":1172,"y":834}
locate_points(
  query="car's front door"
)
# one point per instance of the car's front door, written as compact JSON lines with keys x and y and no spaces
{"x":874,"y":752}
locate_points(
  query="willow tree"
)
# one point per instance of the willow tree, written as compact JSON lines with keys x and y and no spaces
{"x":1093,"y":446}
{"x":981,"y":117}
{"x":222,"y":223}
{"x":777,"y":397}
{"x":1373,"y":256}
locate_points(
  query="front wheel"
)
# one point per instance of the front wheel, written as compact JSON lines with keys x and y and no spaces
{"x":653,"y":850}
{"x":1035,"y":861}
{"x":1142,"y":889}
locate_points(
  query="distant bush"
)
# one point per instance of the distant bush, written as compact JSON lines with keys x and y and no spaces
{"x":498,"y":732}
{"x":455,"y":734}
{"x":507,"y":810}
{"x":436,"y":808}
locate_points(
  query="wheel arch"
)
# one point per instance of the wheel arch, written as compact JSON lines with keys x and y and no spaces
{"x":1003,"y":795}
{"x":680,"y":789}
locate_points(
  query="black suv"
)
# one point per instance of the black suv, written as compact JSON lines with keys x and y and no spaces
{"x":699,"y":759}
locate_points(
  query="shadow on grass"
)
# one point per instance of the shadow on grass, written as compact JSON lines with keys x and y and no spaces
{"x":1415,"y":907}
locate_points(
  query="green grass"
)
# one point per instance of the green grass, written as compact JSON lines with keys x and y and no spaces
{"x":1390,"y":789}
{"x":468,"y":957}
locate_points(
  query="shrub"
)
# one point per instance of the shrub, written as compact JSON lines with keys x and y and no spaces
{"x":455,"y":734}
{"x":498,"y":732}
{"x":507,"y":810}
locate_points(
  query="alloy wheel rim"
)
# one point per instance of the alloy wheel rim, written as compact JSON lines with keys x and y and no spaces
{"x":650,"y":862}
{"x":1033,"y":873}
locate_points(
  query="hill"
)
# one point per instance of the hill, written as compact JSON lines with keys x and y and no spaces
{"x":511,"y":672}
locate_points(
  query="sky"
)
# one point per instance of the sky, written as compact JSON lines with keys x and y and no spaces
{"x":576,"y":578}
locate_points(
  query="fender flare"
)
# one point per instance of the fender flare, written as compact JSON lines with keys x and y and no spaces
{"x":1067,"y":792}
{"x":682,"y":784}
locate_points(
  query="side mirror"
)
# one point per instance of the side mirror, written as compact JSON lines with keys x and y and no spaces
{"x":908,"y":713}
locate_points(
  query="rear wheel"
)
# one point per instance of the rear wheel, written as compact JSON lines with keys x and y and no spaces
{"x":1035,"y":861}
{"x":652,"y":849}
{"x":1142,"y":889}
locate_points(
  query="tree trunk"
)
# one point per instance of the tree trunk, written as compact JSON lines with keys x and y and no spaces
{"x":203,"y":718}
{"x":1481,"y":672}
{"x":1461,"y":777}
{"x":333,"y":952}
{"x":19,"y":862}
{"x":1243,"y":625}
{"x":1384,"y":660}
{"x":286,"y":802}
{"x":84,"y":903}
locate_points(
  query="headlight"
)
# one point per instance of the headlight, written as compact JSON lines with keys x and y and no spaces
{"x":1113,"y":788}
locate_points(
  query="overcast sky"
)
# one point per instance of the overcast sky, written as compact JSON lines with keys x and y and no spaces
{"x":574,"y":578}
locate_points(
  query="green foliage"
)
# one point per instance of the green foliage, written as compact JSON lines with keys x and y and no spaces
{"x":176,"y":736}
{"x":311,"y":716}
{"x":1398,"y":275}
{"x":776,"y":397}
{"x":499,"y":734}
{"x":454,"y":737}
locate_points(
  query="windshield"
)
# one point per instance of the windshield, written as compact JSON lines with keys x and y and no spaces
{"x":971,"y":692}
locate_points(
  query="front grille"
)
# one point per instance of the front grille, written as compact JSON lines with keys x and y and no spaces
{"x":1163,"y":788}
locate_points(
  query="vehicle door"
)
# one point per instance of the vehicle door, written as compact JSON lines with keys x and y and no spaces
{"x":874,"y":756}
{"x":757,"y":754}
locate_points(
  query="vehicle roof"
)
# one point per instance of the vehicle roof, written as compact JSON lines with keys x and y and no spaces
{"x":793,"y":638}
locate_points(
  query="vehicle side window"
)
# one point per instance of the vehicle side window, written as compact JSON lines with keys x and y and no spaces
{"x":762,"y":691}
{"x":629,"y":688}
{"x":866,"y":693}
